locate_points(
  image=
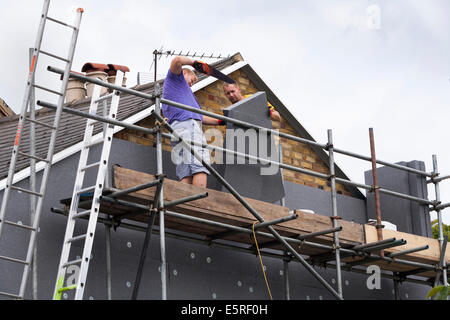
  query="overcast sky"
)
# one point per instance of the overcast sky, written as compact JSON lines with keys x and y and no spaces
{"x":341,"y":65}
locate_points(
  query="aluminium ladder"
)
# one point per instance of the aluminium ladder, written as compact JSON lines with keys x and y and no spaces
{"x":96,"y":191}
{"x":52,"y":128}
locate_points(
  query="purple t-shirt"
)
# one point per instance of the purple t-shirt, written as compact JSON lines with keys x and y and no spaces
{"x":176,"y":89}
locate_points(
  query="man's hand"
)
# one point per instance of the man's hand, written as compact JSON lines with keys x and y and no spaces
{"x":201,"y":67}
{"x":270,"y":110}
{"x":273,"y":114}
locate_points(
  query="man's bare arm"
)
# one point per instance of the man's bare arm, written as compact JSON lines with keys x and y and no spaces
{"x":176,"y":66}
{"x":212,"y":121}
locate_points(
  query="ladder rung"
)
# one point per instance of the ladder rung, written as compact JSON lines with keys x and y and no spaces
{"x":90,"y":166}
{"x":81,"y":214}
{"x":47,"y":89}
{"x":10,"y":295}
{"x":72,"y":262}
{"x":26,"y":191}
{"x":41,"y":123}
{"x":77,"y":238}
{"x":54,"y":56}
{"x":85,"y":190}
{"x":72,"y":287}
{"x":33,"y":157}
{"x":13,"y":260}
{"x":60,"y":22}
{"x":18,"y":225}
{"x":105,"y":97}
{"x":93,"y":143}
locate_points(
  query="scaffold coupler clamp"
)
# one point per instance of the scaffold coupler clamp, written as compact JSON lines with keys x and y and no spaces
{"x":161,"y":124}
{"x":328,"y":146}
{"x":152,"y":211}
{"x":436,"y":204}
{"x":161,"y":176}
{"x":335,"y":247}
{"x":287,"y":257}
{"x":433,"y":176}
{"x":374,"y":187}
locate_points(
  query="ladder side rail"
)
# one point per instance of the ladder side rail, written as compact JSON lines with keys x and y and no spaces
{"x":20,"y":125}
{"x":51,"y":147}
{"x":102,"y":170}
{"x":75,"y":196}
{"x":32,"y":180}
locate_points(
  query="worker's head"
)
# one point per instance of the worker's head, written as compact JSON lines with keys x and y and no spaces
{"x":232,"y":92}
{"x":189,"y":76}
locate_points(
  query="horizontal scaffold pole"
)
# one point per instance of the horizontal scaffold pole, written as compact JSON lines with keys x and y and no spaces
{"x":235,"y":121}
{"x":301,"y":170}
{"x":98,"y":118}
{"x":132,"y":226}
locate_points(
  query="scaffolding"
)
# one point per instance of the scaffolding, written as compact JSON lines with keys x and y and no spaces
{"x":369,"y":252}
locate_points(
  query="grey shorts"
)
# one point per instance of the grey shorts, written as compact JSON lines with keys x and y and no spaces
{"x":186,"y":164}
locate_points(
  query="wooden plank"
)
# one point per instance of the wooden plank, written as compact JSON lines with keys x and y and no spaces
{"x":429,"y":256}
{"x":223,"y":207}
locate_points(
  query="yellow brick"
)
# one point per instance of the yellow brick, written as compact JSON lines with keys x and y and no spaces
{"x":297,"y":155}
{"x":306,"y":177}
{"x":320,"y":181}
{"x":305,"y":164}
{"x":243,"y":81}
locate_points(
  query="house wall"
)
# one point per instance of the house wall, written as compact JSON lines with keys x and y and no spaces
{"x":195,"y":271}
{"x":212,"y":99}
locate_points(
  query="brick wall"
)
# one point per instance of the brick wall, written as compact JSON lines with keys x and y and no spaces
{"x":212,"y":99}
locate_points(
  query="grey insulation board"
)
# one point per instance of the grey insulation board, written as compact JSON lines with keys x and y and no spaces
{"x":195,"y":271}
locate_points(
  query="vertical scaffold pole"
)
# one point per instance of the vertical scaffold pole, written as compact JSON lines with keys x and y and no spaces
{"x":439,"y":217}
{"x":159,"y":171}
{"x":335,"y":216}
{"x":287,"y":289}
{"x":375,"y":188}
{"x":283,"y":203}
{"x":107,"y":226}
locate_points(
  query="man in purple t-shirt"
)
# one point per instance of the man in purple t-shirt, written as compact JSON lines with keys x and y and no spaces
{"x":188,"y":124}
